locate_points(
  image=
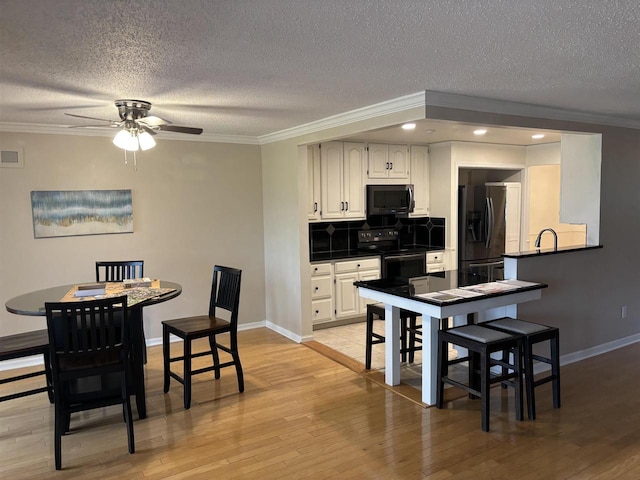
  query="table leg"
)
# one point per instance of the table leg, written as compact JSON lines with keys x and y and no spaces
{"x":392,"y":345}
{"x":429,"y":359}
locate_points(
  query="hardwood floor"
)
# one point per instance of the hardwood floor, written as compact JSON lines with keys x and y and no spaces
{"x":303,"y":415}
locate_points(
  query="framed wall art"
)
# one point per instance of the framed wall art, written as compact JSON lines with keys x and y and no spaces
{"x":81,"y":212}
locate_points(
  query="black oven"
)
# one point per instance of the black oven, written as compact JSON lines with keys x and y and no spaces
{"x":400,"y":265}
{"x":398,"y":262}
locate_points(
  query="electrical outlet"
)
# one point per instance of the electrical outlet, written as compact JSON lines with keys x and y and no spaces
{"x":623,"y":312}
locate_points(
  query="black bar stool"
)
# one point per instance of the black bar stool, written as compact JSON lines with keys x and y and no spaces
{"x":535,"y":333}
{"x":481,"y":342}
{"x":410,"y":333}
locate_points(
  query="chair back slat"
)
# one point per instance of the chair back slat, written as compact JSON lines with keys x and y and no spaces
{"x":225,"y":291}
{"x":87,"y":326}
{"x":119,"y":270}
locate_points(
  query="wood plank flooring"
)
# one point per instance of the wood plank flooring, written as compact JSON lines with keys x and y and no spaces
{"x":305,"y":416}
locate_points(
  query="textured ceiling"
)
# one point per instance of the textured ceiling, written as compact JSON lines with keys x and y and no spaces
{"x":254,"y":67}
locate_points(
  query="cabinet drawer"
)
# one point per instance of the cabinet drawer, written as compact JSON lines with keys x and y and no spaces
{"x":436,"y":267}
{"x":320,"y":269}
{"x":321,"y":287}
{"x":321,"y":310}
{"x":435,"y":257}
{"x":421,"y":284}
{"x":357,"y":265}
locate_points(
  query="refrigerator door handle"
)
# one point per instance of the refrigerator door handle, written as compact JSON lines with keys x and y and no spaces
{"x":488,"y":222}
{"x":492,"y":217}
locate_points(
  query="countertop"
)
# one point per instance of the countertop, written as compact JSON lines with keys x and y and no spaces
{"x":439,"y":281}
{"x":347,"y":254}
{"x":550,"y":251}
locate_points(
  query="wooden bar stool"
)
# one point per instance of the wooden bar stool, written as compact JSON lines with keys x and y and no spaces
{"x":481,"y":342}
{"x":535,"y":333}
{"x":25,"y":345}
{"x":410,"y":333}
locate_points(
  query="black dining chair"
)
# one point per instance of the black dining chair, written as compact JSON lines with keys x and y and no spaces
{"x":225,"y":295}
{"x":119,"y":270}
{"x":88,"y":339}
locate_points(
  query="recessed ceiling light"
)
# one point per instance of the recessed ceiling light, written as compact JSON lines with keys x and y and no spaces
{"x":480,"y":131}
{"x":537,"y":136}
{"x":409,"y":126}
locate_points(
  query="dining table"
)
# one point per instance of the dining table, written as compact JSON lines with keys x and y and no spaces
{"x":438,"y":296}
{"x":158,"y":291}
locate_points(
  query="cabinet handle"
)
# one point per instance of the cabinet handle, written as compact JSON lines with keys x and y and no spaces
{"x":346,"y":205}
{"x":317,"y":312}
{"x":315,"y":207}
{"x":358,"y":265}
{"x":387,"y":165}
{"x":342,"y":206}
{"x":391,"y":166}
{"x":316,"y":289}
{"x":315,"y":269}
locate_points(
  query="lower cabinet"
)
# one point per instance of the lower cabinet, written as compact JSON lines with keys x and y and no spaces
{"x":435,"y":262}
{"x":343,"y":299}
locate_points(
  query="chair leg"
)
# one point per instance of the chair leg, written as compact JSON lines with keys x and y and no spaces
{"x":517,"y":361}
{"x":187,"y":373}
{"x":555,"y":370}
{"x":404,"y":339}
{"x":165,"y":357}
{"x":443,"y":371}
{"x":128,"y":416}
{"x":58,"y":421}
{"x":484,"y":390}
{"x":48,"y":375}
{"x":236,"y":360}
{"x":412,"y":338}
{"x":529,"y":380}
{"x":368,"y":340}
{"x":216,"y":356}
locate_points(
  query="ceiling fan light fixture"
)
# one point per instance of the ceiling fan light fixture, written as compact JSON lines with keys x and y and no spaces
{"x":126,"y":140}
{"x":146,"y":141}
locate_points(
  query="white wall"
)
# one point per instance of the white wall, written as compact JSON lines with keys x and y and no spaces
{"x":195,"y":204}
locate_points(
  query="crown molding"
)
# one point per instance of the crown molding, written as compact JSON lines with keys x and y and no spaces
{"x":109,"y":132}
{"x":481,"y":104}
{"x":372,"y":111}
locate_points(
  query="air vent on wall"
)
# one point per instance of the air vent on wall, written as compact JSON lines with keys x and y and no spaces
{"x":11,"y":157}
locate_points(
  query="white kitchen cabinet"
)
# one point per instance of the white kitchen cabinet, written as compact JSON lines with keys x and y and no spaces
{"x":342,"y":180}
{"x":313,"y":183}
{"x":347,"y":300}
{"x":388,"y":161}
{"x":321,"y":292}
{"x":419,"y":168}
{"x":435,"y":261}
{"x":512,"y":217}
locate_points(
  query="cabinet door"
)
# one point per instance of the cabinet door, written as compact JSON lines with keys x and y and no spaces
{"x":321,"y":310}
{"x":398,"y":161}
{"x":346,"y":297}
{"x":313,"y":182}
{"x":512,"y":218}
{"x":378,"y":164}
{"x":331,"y":175}
{"x":321,"y":287}
{"x":364,"y":277}
{"x":353,"y":183}
{"x":420,"y":179}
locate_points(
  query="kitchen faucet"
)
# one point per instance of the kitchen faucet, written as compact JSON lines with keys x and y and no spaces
{"x":555,"y":238}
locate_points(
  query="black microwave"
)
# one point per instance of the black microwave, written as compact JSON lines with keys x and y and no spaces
{"x":389,"y":199}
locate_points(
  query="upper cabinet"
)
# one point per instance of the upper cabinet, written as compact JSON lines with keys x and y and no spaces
{"x":420,"y":179}
{"x":314,"y":205}
{"x":342,"y":180}
{"x":388,"y":161}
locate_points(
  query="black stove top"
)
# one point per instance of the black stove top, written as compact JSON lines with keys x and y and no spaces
{"x":386,"y":241}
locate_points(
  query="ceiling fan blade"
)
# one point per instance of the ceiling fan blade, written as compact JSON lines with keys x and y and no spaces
{"x":113,"y":125}
{"x":176,"y":128}
{"x":90,"y":118}
{"x":150,"y":131}
{"x":154,"y":121}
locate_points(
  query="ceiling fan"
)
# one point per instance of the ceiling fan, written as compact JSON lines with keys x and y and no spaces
{"x":136,"y":126}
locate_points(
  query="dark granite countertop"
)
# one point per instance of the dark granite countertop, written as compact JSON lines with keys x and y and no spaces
{"x":550,"y":251}
{"x":347,"y":254}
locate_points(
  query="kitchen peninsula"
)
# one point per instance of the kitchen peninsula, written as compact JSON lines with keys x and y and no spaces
{"x":437,"y":296}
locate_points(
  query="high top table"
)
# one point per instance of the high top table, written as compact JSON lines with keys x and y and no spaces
{"x":32,"y":304}
{"x":434,"y":297}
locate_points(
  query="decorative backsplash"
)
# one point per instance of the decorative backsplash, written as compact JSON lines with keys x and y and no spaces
{"x":335,"y":239}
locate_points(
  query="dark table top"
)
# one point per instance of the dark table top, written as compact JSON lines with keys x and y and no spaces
{"x":32,"y":303}
{"x":435,"y":282}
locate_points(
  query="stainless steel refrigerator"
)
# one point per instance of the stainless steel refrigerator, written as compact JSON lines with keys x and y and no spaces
{"x":481,"y":230}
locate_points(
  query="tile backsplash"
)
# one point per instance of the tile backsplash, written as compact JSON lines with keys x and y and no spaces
{"x":328,"y":239}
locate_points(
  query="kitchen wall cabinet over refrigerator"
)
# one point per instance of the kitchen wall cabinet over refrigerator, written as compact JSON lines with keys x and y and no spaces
{"x":342,"y":180}
{"x":388,"y":161}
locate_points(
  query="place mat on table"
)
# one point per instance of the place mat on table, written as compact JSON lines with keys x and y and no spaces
{"x":134,"y":295}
